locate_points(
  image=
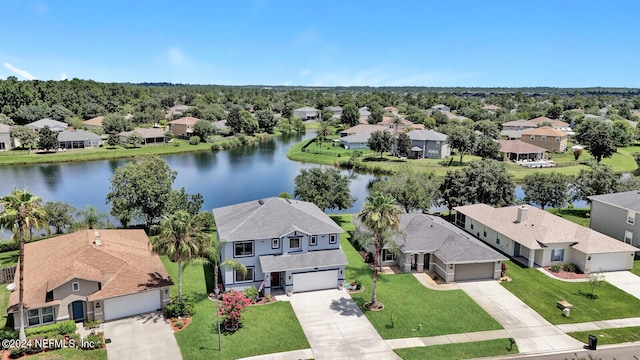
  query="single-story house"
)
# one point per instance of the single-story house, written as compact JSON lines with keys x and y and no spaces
{"x":431,"y":244}
{"x":78,"y":139}
{"x":617,"y":215}
{"x":536,"y":237}
{"x":306,"y":113}
{"x":149,"y":135}
{"x":94,"y":123}
{"x":362,"y":129}
{"x":441,"y":108}
{"x":364,"y":114}
{"x":429,"y":144}
{"x":285,"y":244}
{"x":403,"y":126}
{"x":516,"y":150}
{"x":52,"y":124}
{"x":355,"y":141}
{"x":182,"y":127}
{"x":546,"y":137}
{"x":336,"y":111}
{"x":5,"y":137}
{"x":391,"y":109}
{"x":90,"y":275}
{"x":556,"y":124}
{"x":518,"y":125}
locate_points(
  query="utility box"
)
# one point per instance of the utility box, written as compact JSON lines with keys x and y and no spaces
{"x":566,"y":312}
{"x":593,"y":342}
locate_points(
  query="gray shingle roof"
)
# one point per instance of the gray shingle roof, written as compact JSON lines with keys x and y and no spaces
{"x":47,"y":122}
{"x":428,"y":135}
{"x":271,"y":218}
{"x":629,"y":200}
{"x":309,"y":260}
{"x":356,"y":138}
{"x":77,"y":135}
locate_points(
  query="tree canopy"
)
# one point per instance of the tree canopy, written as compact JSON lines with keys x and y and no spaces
{"x":48,"y":139}
{"x":412,"y":189}
{"x":597,"y":137}
{"x":463,"y":140}
{"x":546,"y":189}
{"x":598,"y":179}
{"x":380,"y":141}
{"x":326,"y":188}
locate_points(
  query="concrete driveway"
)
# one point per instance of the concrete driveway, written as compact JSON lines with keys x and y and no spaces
{"x":147,"y":336}
{"x":625,"y":281}
{"x":532,"y":332}
{"x":336,"y":328}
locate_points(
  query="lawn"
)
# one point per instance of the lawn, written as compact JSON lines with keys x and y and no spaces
{"x":9,"y":258}
{"x":610,"y":336}
{"x":266,"y":329}
{"x":439,"y":312}
{"x":636,"y":267}
{"x":541,"y":293}
{"x":71,"y":354}
{"x":579,"y":216}
{"x":468,"y":350}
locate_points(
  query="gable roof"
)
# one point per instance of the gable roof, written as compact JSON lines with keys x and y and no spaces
{"x":304,"y":261}
{"x":355,"y":138}
{"x":363,"y":129}
{"x":47,"y":122}
{"x":541,"y":229}
{"x":545,"y":130}
{"x":427,"y":135}
{"x":146,"y":133}
{"x":96,"y":121}
{"x":77,"y":135}
{"x":520,"y":123}
{"x":629,"y":200}
{"x":540,"y":119}
{"x":519,"y":147}
{"x":271,"y":218}
{"x":187,"y":120}
{"x":123,"y":264}
{"x":307,"y":109}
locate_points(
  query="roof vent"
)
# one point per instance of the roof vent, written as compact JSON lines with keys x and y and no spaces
{"x":261,"y":202}
{"x":97,"y":233}
{"x":97,"y":242}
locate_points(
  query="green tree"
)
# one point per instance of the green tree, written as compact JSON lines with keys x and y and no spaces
{"x":380,"y":141}
{"x":403,"y":144}
{"x":204,"y":129}
{"x":180,"y":200}
{"x":115,"y":123}
{"x":266,"y":120}
{"x":463,"y":140}
{"x":623,"y":134}
{"x":326,"y":188}
{"x":249,"y":122}
{"x":453,"y":190}
{"x":412,"y":189}
{"x":489,"y":182}
{"x":21,"y":212}
{"x":554,"y":111}
{"x":135,"y":139}
{"x":597,"y":137}
{"x":629,"y":183}
{"x":598,"y":179}
{"x":487,"y":128}
{"x":324,"y":130}
{"x":48,"y":139}
{"x":546,"y":189}
{"x":487,"y":148}
{"x":376,"y":114}
{"x":91,"y":217}
{"x":113,"y":140}
{"x":140,"y":190}
{"x":27,"y":137}
{"x":181,"y":240}
{"x":350,"y":115}
{"x":233,"y":119}
{"x":59,"y":215}
{"x":326,"y":115}
{"x":381,"y":216}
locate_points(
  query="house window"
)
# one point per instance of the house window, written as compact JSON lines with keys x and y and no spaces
{"x":631,"y":217}
{"x":533,"y":138}
{"x":557,"y":138}
{"x":557,"y":255}
{"x":432,"y":153}
{"x":628,"y":236}
{"x":460,"y":219}
{"x":75,"y":286}
{"x":243,"y":248}
{"x":388,"y":255}
{"x":471,"y":224}
{"x":33,"y":317}
{"x":294,"y":243}
{"x":484,"y":233}
{"x":2,"y":146}
{"x":437,"y":143}
{"x":313,"y":241}
{"x":275,"y":243}
{"x":543,"y":138}
{"x":47,"y":314}
{"x":497,"y":240}
{"x":332,"y":239}
{"x":246,"y":277}
{"x":40,"y":316}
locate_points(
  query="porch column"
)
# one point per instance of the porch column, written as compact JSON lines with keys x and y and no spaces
{"x":532,"y":255}
{"x":407,"y":263}
{"x":420,"y":263}
{"x":267,"y":284}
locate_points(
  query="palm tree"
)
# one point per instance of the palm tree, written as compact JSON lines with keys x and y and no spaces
{"x":181,"y":240}
{"x":21,"y":212}
{"x":381,"y":215}
{"x":212,"y":256}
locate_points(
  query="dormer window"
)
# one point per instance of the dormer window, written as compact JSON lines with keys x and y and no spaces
{"x":75,"y":286}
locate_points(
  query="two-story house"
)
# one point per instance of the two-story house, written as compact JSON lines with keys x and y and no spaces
{"x":546,"y":137}
{"x":617,"y":215}
{"x":284,"y":244}
{"x":441,"y":108}
{"x":182,"y":127}
{"x":429,"y":144}
{"x":90,"y":275}
{"x":513,"y":129}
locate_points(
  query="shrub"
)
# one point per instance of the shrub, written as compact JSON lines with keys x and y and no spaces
{"x":393,"y":319}
{"x":358,"y":284}
{"x":92,"y":341}
{"x":250,"y":292}
{"x":194,"y":140}
{"x":176,"y":309}
{"x":62,"y":328}
{"x":233,"y":302}
{"x":179,"y":324}
{"x":18,"y":352}
{"x":92,"y":324}
{"x":555,"y":268}
{"x":569,"y":267}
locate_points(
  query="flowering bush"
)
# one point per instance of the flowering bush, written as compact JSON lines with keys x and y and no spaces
{"x":233,"y":302}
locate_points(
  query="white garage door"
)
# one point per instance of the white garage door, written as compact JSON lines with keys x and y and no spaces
{"x":465,"y":272}
{"x":129,"y":305}
{"x":608,"y":262}
{"x":318,"y":280}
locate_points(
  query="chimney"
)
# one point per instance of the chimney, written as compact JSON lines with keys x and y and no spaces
{"x":522,"y":214}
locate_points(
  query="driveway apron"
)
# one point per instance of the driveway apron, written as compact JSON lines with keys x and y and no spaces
{"x":532,"y":332}
{"x":147,"y":336}
{"x":625,"y":281}
{"x":336,"y":328}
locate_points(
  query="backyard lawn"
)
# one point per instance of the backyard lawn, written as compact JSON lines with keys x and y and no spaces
{"x":266,"y":329}
{"x":636,"y":267}
{"x":9,"y":258}
{"x":459,"y":351}
{"x":542,"y":293}
{"x":439,"y":312}
{"x":579,"y":216}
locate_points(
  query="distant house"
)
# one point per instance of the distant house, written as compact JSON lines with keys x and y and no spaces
{"x":403,"y":126}
{"x":391,"y":109}
{"x":284,"y":244}
{"x":364,"y":114}
{"x":429,"y":144}
{"x":362,"y":129}
{"x":536,"y":237}
{"x":78,"y":139}
{"x":5,"y":137}
{"x":431,"y":244}
{"x":491,"y":108}
{"x":94,"y":123}
{"x":149,"y":135}
{"x":90,"y":275}
{"x":617,"y":215}
{"x":307,"y":113}
{"x":441,"y":108}
{"x":546,"y":137}
{"x":516,"y":150}
{"x":556,"y":124}
{"x":336,"y":111}
{"x":176,"y":111}
{"x":52,"y":124}
{"x":355,"y":141}
{"x":513,"y":129}
{"x":182,"y":127}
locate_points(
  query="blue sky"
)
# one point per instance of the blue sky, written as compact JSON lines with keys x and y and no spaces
{"x":560,"y":43}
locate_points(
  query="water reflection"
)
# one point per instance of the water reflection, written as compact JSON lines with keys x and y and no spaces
{"x":50,"y":174}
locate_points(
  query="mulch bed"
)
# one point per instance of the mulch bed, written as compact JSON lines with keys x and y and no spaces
{"x":566,"y":274}
{"x":367,"y":306}
{"x":185,"y":323}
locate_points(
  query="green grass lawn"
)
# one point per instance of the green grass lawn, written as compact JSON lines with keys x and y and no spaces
{"x":71,"y":354}
{"x":411,"y":302}
{"x":579,"y":216}
{"x":542,"y":293}
{"x":266,"y":329}
{"x":9,"y":258}
{"x":610,"y":336}
{"x":636,"y":267}
{"x":468,"y":350}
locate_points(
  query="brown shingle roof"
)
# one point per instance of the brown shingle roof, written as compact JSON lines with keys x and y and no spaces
{"x":519,"y":147}
{"x":545,"y":130}
{"x":96,"y":121}
{"x":123,"y":264}
{"x":187,"y":120}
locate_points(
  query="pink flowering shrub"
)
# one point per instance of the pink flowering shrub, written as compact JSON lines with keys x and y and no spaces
{"x":233,"y":302}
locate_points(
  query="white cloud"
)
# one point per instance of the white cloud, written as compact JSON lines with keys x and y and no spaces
{"x":177,"y":57}
{"x":63,"y":76}
{"x":22,"y":73}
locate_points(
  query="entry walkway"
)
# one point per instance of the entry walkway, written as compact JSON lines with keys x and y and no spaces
{"x":530,"y":330}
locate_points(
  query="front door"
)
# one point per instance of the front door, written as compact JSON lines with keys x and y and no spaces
{"x":516,"y":249}
{"x":77,"y":310}
{"x":275,"y":280}
{"x":427,"y":259}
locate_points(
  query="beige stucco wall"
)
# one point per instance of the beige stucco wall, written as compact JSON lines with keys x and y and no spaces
{"x":549,"y":144}
{"x":66,"y":295}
